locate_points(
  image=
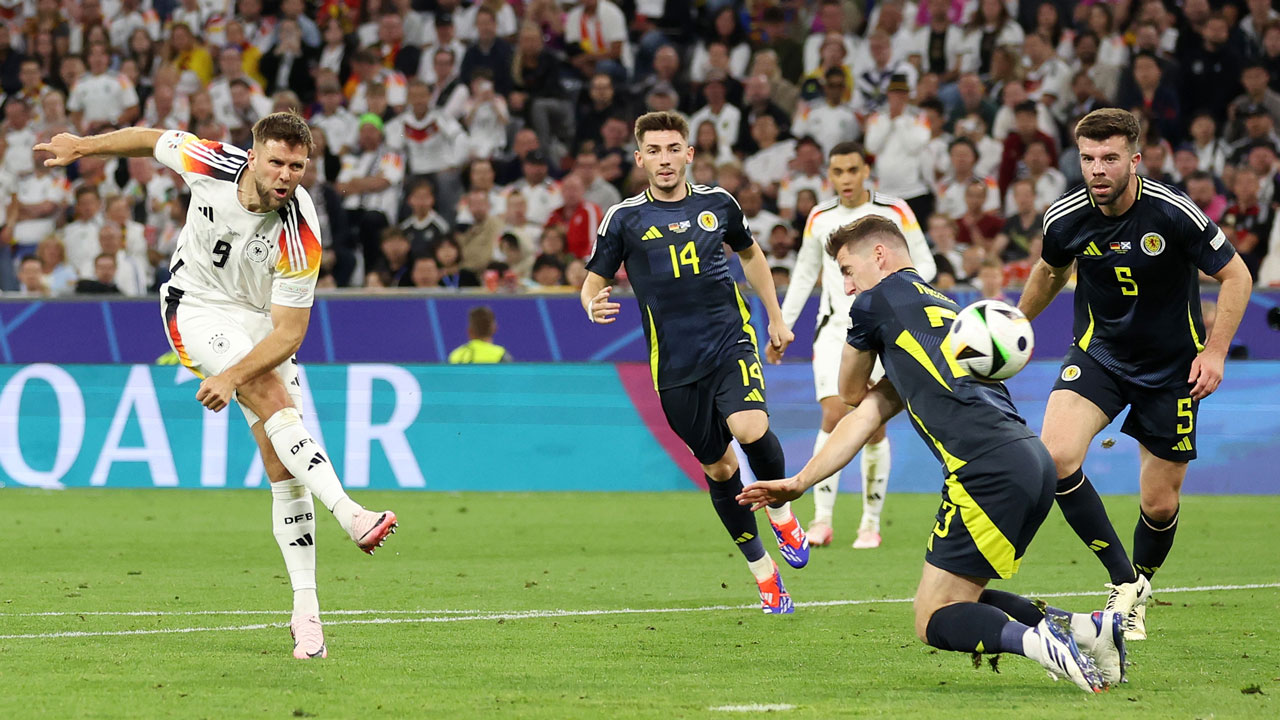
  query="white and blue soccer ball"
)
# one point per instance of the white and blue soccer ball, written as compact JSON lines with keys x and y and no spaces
{"x":991,"y":339}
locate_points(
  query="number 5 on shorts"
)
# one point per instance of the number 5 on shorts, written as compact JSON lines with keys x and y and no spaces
{"x":1185,"y":414}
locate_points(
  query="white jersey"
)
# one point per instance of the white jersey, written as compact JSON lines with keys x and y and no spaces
{"x":813,"y":261}
{"x":228,"y":255}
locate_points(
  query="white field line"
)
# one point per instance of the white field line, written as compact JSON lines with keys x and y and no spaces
{"x":757,"y":707}
{"x":540,"y":614}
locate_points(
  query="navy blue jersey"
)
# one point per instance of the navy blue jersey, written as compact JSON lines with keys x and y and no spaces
{"x":905,"y":322}
{"x":1137,"y":300}
{"x":692,"y":313}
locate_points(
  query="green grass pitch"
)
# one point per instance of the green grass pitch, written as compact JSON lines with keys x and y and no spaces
{"x":454,"y":617}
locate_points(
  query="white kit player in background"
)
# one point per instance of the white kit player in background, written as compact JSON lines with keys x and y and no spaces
{"x":236,"y":311}
{"x":848,"y":172}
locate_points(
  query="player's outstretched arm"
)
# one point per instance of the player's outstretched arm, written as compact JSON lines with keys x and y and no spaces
{"x":756,"y":270}
{"x":1208,"y":367}
{"x":880,"y":404}
{"x":289,"y":327}
{"x":1043,"y":285}
{"x":595,"y":299}
{"x":129,"y":142}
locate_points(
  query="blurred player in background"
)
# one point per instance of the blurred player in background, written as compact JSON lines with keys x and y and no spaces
{"x":847,"y":170}
{"x":236,"y":311}
{"x":706,"y":368}
{"x":999,"y":477}
{"x":1138,"y":247}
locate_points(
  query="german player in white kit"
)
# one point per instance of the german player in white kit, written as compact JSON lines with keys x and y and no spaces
{"x":848,"y":171}
{"x":236,"y":311}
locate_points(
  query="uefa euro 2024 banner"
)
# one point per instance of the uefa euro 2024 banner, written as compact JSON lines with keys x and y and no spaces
{"x":515,"y":427}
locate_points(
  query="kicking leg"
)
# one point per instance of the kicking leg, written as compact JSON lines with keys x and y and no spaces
{"x":724,"y":481}
{"x":951,"y":615}
{"x":1070,"y":423}
{"x":764,"y":452}
{"x":306,"y":461}
{"x":825,"y":492}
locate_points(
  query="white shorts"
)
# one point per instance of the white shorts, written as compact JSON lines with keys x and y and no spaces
{"x":828,"y":349}
{"x":209,"y":339}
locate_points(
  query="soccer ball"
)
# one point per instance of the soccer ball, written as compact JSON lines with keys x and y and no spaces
{"x":991,"y":339}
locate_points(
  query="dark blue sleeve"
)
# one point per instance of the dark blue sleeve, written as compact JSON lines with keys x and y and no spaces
{"x":864,"y":333}
{"x":1207,"y":247}
{"x":736,"y":231}
{"x":1053,"y":247}
{"x":607,"y":254}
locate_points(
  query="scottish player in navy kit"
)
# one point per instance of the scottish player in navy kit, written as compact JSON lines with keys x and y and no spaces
{"x":999,"y":479}
{"x":702,"y":347}
{"x":1137,"y":246}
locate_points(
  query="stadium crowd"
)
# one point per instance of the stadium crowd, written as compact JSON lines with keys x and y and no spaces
{"x":478,"y":145}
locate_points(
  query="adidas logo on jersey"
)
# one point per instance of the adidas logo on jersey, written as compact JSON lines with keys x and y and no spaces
{"x":304,"y":541}
{"x":1092,"y":250}
{"x":651,"y":234}
{"x":754,"y":396}
{"x":1184,"y":445}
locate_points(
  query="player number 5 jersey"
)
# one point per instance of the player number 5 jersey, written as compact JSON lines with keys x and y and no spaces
{"x":227,"y":254}
{"x":1137,"y":299}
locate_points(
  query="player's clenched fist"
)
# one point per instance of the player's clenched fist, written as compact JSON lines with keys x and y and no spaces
{"x":602,"y":311}
{"x":215,"y":392}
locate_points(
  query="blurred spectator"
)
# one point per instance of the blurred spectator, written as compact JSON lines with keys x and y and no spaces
{"x":989,"y":149}
{"x":336,"y":238}
{"x":479,"y":242}
{"x":1105,"y":78}
{"x":130,"y":275}
{"x":539,"y":96}
{"x":808,"y":174}
{"x":31,"y":280}
{"x":601,"y":103}
{"x":548,"y":272}
{"x":424,"y":226}
{"x":727,"y":32}
{"x":118,"y":209}
{"x":340,"y":125}
{"x":1021,"y":236}
{"x":595,"y":36}
{"x":41,"y":196}
{"x":577,"y":216}
{"x":991,"y":280}
{"x":1014,"y":95}
{"x":552,"y":244}
{"x":942,"y":235}
{"x":426,"y":273}
{"x":1047,"y":180}
{"x":760,"y":220}
{"x":782,"y":90}
{"x":19,"y":137}
{"x":587,"y":166}
{"x":231,"y":69}
{"x":1047,"y":77}
{"x":787,"y":51}
{"x":830,"y":119}
{"x":767,"y":166}
{"x":1156,"y":163}
{"x":977,"y":227}
{"x":102,"y":97}
{"x":515,"y":222}
{"x":989,"y":27}
{"x":452,"y":274}
{"x":1247,"y":222}
{"x":103,"y":281}
{"x":805,"y":202}
{"x":518,"y":260}
{"x":1202,"y":191}
{"x":489,"y":51}
{"x":370,"y":183}
{"x":1155,"y":96}
{"x":873,"y":83}
{"x":666,"y":74}
{"x":291,"y":65}
{"x":431,"y":142}
{"x":1210,"y":68}
{"x":936,"y":158}
{"x":189,"y":57}
{"x":575,"y":273}
{"x":485,"y":116}
{"x":1258,"y":129}
{"x":757,"y":102}
{"x":367,"y":71}
{"x":939,"y":43}
{"x":480,"y":176}
{"x":1025,"y":130}
{"x":58,"y":274}
{"x":781,"y":246}
{"x":781,"y":277}
{"x":540,"y":191}
{"x":1255,"y":79}
{"x":972,"y":100}
{"x":724,"y":119}
{"x":449,"y":92}
{"x":897,"y":137}
{"x":393,"y":267}
{"x":951,"y":189}
{"x":481,"y":328}
{"x":1210,"y":148}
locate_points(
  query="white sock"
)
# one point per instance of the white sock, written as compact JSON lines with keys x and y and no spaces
{"x":875,"y":482}
{"x":293,"y":522}
{"x":1031,"y":645}
{"x":762,"y":569}
{"x":1084,"y":631}
{"x":309,"y":464}
{"x":824,"y":493}
{"x":779,"y":516}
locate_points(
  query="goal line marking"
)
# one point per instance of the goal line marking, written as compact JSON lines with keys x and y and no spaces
{"x":447,"y":616}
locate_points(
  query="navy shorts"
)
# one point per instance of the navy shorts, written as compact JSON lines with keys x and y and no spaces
{"x":1163,"y":420}
{"x":697,"y":411}
{"x":991,"y":509}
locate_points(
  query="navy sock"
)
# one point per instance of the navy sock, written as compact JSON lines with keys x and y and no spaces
{"x":974,"y":627}
{"x":766,"y":458}
{"x":1015,"y":606}
{"x":1085,"y":513}
{"x":1152,"y":541}
{"x":737,"y":519}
